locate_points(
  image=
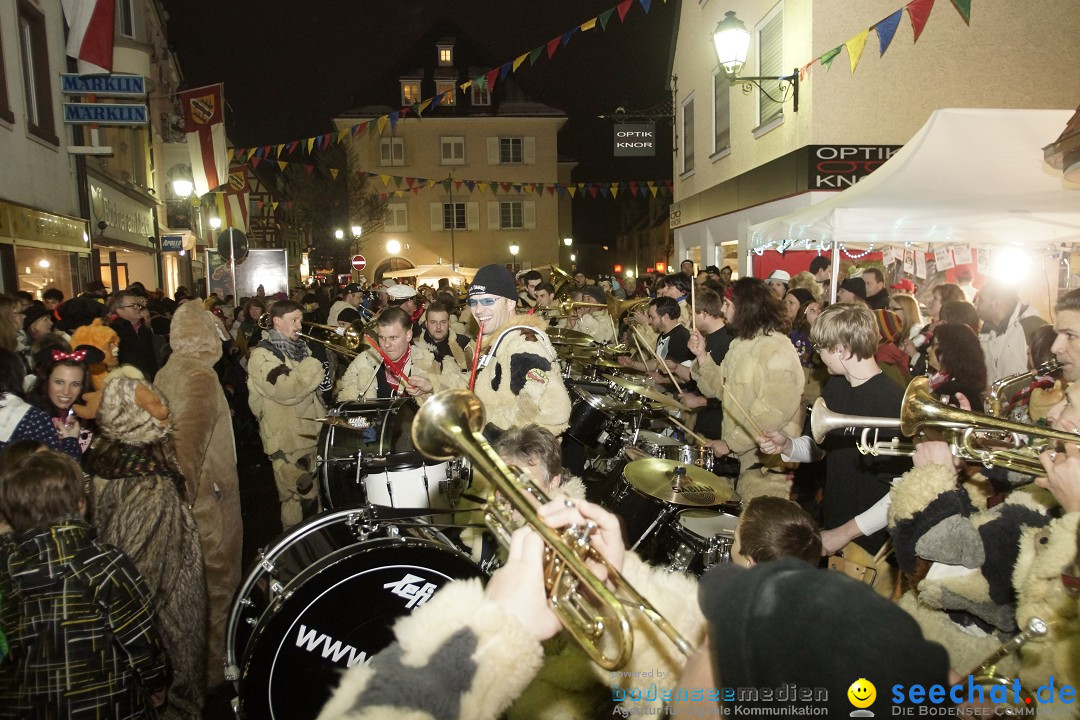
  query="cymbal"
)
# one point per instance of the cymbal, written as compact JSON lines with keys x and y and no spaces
{"x":656,"y":439}
{"x":649,"y":392}
{"x":356,"y":422}
{"x":677,"y":483}
{"x":566,"y":336}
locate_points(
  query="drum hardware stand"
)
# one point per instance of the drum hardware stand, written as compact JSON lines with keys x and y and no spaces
{"x":364,"y":522}
{"x":666,"y":514}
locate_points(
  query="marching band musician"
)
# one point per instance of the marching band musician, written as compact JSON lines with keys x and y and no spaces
{"x":442,"y":340}
{"x":675,"y":286}
{"x":344,"y":311}
{"x":594,"y":321}
{"x":530,"y":281}
{"x":283,"y":380}
{"x":518,"y":379}
{"x":671,"y":338}
{"x":715,"y":340}
{"x":412,"y":369}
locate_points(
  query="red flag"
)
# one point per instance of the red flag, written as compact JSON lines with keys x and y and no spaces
{"x":204,"y":123}
{"x":233,"y":202}
{"x":90,"y":34}
{"x":918,"y":12}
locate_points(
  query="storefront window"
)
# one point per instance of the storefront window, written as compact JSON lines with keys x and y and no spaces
{"x":39,"y":270}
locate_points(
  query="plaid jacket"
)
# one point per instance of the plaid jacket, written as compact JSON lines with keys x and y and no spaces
{"x":80,"y":627}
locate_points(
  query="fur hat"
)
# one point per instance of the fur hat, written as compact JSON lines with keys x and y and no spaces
{"x":786,"y":622}
{"x":193,"y":331}
{"x":132,"y":411}
{"x":493,"y":280}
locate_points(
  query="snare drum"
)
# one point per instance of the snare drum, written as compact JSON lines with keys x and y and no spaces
{"x":364,"y":430}
{"x":407,"y":480}
{"x":323,"y":598}
{"x":702,"y":538}
{"x":658,"y":446}
{"x":692,"y":455}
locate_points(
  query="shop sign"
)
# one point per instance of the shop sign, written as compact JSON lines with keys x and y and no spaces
{"x":103,"y":85}
{"x":125,"y":218}
{"x":172,"y":243}
{"x":104,"y":114}
{"x":835,"y":167}
{"x":635,"y":139}
{"x":22,"y":223}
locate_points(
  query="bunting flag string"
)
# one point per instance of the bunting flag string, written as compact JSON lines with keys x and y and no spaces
{"x":486,"y":79}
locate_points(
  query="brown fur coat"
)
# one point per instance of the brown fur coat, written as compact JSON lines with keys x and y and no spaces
{"x":206,"y":451}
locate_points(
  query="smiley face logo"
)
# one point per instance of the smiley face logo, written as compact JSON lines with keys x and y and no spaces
{"x":862,"y":693}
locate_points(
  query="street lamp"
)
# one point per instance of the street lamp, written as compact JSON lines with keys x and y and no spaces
{"x":514,"y":249}
{"x":339,"y":234}
{"x":215,"y":223}
{"x":393,"y":247}
{"x":731,"y":41}
{"x":568,"y":241}
{"x":182,"y":188}
{"x":356,"y":231}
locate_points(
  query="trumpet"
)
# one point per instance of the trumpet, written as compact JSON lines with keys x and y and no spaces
{"x":986,"y":672}
{"x":594,"y":615}
{"x":990,"y":441}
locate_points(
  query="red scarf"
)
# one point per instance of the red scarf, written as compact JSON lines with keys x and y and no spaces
{"x":396,"y":370}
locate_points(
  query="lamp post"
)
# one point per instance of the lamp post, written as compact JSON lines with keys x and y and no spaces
{"x":393,"y":247}
{"x":339,"y":234}
{"x":731,"y":41}
{"x":514,"y":249}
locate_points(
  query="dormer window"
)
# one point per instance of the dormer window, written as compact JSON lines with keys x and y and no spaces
{"x":410,"y":92}
{"x":446,"y":55}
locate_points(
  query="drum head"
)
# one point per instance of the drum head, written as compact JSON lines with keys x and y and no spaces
{"x":337,"y":613}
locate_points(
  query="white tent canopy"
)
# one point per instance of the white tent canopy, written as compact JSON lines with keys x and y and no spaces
{"x":968,"y":176}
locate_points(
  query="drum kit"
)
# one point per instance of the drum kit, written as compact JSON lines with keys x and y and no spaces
{"x":324,"y":596}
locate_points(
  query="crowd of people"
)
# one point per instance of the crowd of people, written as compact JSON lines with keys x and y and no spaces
{"x":121,"y":533}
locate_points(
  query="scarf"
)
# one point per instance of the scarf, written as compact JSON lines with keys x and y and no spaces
{"x":391,"y":378}
{"x":296,"y":350}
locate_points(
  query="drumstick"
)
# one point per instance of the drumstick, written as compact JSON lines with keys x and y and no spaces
{"x":640,"y":351}
{"x":746,"y":414}
{"x":476,"y":356}
{"x":390,"y":364}
{"x":693,"y":310}
{"x":663,"y":364}
{"x":700,"y":440}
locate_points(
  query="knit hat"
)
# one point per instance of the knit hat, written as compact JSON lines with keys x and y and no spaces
{"x":493,"y":280}
{"x":595,"y":292}
{"x":889,"y":325}
{"x":784,"y":622}
{"x":802,"y":295}
{"x":855,"y":286}
{"x":31,"y":315}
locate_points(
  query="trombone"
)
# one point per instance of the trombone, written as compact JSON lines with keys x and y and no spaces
{"x":593,"y":614}
{"x":350,"y":338}
{"x":990,"y":441}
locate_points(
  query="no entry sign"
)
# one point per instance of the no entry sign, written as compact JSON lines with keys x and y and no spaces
{"x":359,"y":262}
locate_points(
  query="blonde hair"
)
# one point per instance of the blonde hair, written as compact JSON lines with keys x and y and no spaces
{"x":848,"y":325}
{"x":806,"y":280}
{"x":911,"y":314}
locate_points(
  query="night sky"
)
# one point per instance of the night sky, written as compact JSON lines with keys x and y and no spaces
{"x":290,"y":66}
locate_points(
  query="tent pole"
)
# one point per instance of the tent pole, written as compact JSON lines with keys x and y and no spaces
{"x":835,"y":270}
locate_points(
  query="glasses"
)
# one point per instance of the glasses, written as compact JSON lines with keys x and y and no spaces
{"x":486,"y":302}
{"x":141,"y":306}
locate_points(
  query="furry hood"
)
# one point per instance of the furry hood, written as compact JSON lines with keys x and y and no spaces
{"x":534,"y":321}
{"x":132,"y":411}
{"x":194,"y":333}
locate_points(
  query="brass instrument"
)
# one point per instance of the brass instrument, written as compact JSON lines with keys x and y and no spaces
{"x":986,"y":672}
{"x":990,"y":441}
{"x":596,"y":616}
{"x":617,"y":307}
{"x":999,"y":391}
{"x":347,"y":340}
{"x":565,"y":279}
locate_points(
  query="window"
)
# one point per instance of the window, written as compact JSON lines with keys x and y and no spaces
{"x":446,"y":55}
{"x":125,"y":18}
{"x":510,"y":151}
{"x":392,"y":151}
{"x":480,"y":95}
{"x":688,"y":135}
{"x":454,"y":216}
{"x":36,"y":75}
{"x":5,"y":103}
{"x":770,"y":36}
{"x":721,"y":112}
{"x":397,"y":217}
{"x":453,"y":150}
{"x":511,"y":216}
{"x":448,"y":87}
{"x":410,"y":92}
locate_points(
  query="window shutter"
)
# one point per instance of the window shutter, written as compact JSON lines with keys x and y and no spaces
{"x":770,"y":62}
{"x":436,"y":216}
{"x":494,"y":222}
{"x":528,"y":150}
{"x":384,"y":151}
{"x":472,"y":215}
{"x":721,"y":112}
{"x":493,"y":150}
{"x":399,"y":150}
{"x":528,"y":213}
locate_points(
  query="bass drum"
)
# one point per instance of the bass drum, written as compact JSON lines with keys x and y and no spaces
{"x":359,"y":431}
{"x":323,"y":598}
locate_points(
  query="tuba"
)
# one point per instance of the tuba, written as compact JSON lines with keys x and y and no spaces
{"x":593,"y":614}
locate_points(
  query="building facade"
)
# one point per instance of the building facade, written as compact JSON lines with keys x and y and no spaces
{"x":742,"y":159}
{"x":470,"y":181}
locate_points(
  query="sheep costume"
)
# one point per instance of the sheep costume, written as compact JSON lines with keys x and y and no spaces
{"x":203,"y":432}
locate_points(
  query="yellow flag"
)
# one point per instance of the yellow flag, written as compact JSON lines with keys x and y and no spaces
{"x":424,"y":106}
{"x":572,"y":189}
{"x":465,"y":85}
{"x":614,"y":190}
{"x":280,"y":149}
{"x":229,"y":155}
{"x":385,"y":179}
{"x":333,"y":173}
{"x":282,"y":164}
{"x":588,"y":25}
{"x":855,"y":47}
{"x":381,"y":125}
{"x":310,"y":144}
{"x":482,"y":187}
{"x":343,"y":134}
{"x":518,"y":60}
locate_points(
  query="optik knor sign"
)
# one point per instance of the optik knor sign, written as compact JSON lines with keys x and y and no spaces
{"x":635,"y":139}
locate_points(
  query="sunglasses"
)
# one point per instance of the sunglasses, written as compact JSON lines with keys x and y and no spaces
{"x":486,"y":302}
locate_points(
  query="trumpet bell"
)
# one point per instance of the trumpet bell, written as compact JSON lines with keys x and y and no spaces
{"x":429,"y":436}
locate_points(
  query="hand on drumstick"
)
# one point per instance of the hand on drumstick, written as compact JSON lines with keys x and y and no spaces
{"x":774,"y":442}
{"x":719,"y":448}
{"x":693,"y":400}
{"x":418,"y":386}
{"x":519,"y":587}
{"x":696,"y":343}
{"x":606,"y":537}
